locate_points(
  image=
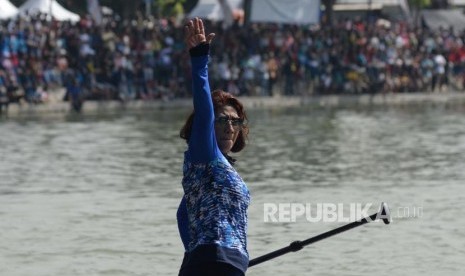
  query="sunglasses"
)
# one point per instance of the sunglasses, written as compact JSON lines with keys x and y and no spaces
{"x":225,"y":120}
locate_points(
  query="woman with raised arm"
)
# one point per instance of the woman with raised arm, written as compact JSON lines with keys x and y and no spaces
{"x":212,"y":216}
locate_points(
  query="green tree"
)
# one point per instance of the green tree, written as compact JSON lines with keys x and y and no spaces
{"x":170,"y":7}
{"x":419,"y":4}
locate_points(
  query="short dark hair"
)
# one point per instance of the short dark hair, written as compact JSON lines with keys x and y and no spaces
{"x":220,"y":99}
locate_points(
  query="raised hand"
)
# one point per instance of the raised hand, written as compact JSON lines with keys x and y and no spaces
{"x":194,"y":33}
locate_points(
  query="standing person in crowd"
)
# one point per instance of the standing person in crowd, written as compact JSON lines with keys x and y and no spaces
{"x":212,"y":217}
{"x":74,"y":90}
{"x":4,"y":101}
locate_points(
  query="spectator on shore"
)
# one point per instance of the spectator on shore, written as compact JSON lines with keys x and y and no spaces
{"x":144,"y":58}
{"x":75,"y":92}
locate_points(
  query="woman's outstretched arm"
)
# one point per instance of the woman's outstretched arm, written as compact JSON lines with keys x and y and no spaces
{"x":202,"y":142}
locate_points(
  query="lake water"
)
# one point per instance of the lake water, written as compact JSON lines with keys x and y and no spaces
{"x":97,"y":194}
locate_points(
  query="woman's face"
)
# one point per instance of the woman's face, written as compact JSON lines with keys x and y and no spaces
{"x":227,"y":128}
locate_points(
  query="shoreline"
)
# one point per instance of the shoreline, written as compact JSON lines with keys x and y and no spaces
{"x":392,"y":99}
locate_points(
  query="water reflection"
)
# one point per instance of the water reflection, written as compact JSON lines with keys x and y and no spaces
{"x":97,"y":194}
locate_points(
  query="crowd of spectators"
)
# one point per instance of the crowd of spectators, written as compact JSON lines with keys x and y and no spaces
{"x":145,"y":59}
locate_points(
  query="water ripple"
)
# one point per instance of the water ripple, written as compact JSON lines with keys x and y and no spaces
{"x":97,"y":195}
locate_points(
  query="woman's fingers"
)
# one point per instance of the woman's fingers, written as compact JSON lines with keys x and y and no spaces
{"x":193,"y":27}
{"x":195,"y":33}
{"x":201,"y":28}
{"x":210,"y":38}
{"x":196,"y":26}
{"x":188,"y":30}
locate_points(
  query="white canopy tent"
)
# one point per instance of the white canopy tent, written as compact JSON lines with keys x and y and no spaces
{"x":213,"y":10}
{"x":435,"y":19}
{"x":457,"y":3}
{"x":289,"y":12}
{"x":49,"y":7}
{"x":7,"y":10}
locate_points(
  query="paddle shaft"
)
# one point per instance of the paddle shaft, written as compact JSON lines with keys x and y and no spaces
{"x":297,"y":245}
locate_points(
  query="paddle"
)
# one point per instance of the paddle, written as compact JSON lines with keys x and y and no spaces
{"x":383,"y":213}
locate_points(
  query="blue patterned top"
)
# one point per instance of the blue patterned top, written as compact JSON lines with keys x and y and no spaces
{"x":216,"y":197}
